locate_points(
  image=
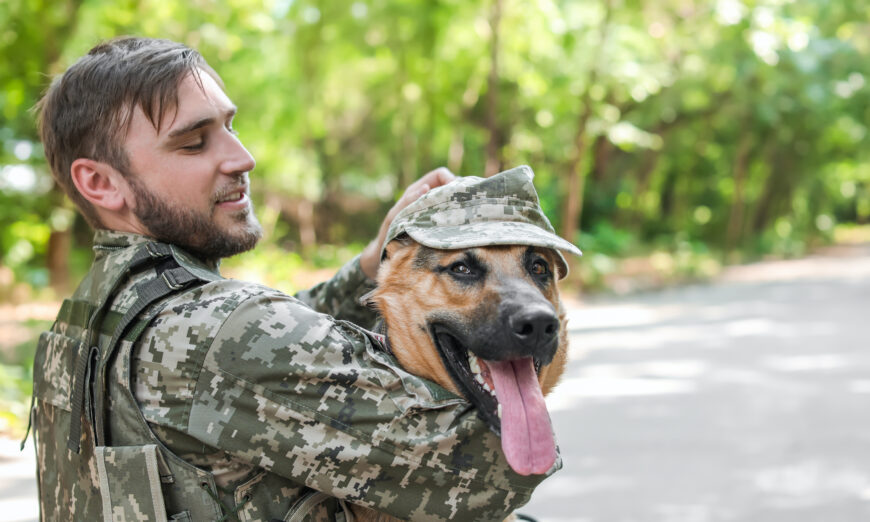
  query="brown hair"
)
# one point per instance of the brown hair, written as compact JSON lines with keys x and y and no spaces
{"x":86,"y":111}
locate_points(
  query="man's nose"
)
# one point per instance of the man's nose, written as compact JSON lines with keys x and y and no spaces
{"x":237,"y":159}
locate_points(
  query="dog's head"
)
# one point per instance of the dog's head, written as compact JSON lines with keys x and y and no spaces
{"x":467,"y":288}
{"x":485,"y":323}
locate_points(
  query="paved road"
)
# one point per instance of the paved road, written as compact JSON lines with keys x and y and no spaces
{"x":17,"y":483}
{"x":745,"y":400}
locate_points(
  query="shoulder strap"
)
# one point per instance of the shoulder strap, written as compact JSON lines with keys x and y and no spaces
{"x":90,"y":365}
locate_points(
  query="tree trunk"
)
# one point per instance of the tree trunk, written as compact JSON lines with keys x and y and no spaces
{"x":493,"y":160}
{"x":776,"y":193}
{"x":573,"y":208}
{"x":57,"y":260}
{"x":59,"y":241}
{"x":456,"y":152}
{"x":305,"y":218}
{"x":576,"y":175}
{"x":603,"y":151}
{"x":644,"y":178}
{"x":741,"y":164}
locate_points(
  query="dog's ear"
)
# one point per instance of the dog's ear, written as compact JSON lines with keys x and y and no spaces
{"x":401,"y":241}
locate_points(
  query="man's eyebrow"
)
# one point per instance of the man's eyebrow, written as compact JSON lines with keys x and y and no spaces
{"x":202,"y":122}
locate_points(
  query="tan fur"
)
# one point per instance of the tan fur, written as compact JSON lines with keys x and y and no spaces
{"x":407,"y":295}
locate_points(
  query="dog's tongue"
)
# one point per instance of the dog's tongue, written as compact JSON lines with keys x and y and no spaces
{"x":526,"y":435}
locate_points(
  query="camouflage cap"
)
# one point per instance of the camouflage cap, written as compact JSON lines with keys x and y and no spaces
{"x":473,"y":212}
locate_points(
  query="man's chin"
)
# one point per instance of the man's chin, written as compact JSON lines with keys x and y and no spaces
{"x":235,"y":242}
{"x":216,"y":242}
{"x":207,"y":235}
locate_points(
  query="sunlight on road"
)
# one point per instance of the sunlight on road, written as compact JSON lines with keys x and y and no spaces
{"x":625,"y":380}
{"x":742,"y":400}
{"x":802,"y":483}
{"x":17,"y":483}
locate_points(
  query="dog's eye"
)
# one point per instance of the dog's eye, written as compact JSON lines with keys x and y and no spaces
{"x":539,"y":268}
{"x":460,"y":268}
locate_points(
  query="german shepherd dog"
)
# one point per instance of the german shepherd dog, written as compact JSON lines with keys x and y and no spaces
{"x":485,"y":323}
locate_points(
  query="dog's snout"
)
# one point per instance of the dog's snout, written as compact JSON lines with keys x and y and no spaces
{"x":534,"y":327}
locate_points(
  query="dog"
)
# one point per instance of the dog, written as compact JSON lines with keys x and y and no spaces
{"x":486,"y":323}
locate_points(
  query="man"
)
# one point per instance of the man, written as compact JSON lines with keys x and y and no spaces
{"x":165,"y":391}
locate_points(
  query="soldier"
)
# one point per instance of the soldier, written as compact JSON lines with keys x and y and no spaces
{"x":164,"y":391}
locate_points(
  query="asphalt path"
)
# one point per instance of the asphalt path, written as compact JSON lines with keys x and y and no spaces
{"x":744,"y":400}
{"x":741,"y":400}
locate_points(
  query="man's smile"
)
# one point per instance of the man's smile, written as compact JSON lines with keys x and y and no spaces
{"x":236,"y":199}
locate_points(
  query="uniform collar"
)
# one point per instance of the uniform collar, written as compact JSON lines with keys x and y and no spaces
{"x":113,"y":239}
{"x":107,"y":241}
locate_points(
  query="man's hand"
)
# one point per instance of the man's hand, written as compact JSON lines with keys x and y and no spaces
{"x":370,"y":258}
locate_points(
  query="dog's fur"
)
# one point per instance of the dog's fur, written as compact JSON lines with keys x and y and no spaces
{"x":488,"y":299}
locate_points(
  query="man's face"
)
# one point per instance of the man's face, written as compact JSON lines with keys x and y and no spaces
{"x":190,"y":178}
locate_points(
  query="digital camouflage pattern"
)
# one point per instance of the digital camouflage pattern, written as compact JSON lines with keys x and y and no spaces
{"x":125,"y":492}
{"x":470,"y":212}
{"x":261,"y":406}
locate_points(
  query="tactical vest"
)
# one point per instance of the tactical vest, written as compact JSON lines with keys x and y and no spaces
{"x":97,"y":458}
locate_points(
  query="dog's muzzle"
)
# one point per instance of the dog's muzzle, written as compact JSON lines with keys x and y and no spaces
{"x":522,"y":328}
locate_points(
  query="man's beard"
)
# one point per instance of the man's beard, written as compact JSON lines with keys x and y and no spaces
{"x":195,"y":232}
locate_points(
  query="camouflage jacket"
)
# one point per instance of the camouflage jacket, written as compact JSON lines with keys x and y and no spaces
{"x":234,"y":399}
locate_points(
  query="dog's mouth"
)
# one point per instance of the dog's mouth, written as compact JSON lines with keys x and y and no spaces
{"x":508,"y":398}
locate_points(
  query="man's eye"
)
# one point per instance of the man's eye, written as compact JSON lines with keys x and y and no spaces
{"x":460,"y":268}
{"x":539,"y":268}
{"x":194,"y":146}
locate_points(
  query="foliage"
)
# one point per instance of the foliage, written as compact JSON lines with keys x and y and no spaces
{"x":288,"y":271}
{"x":737,"y":125}
{"x":667,"y":137}
{"x":16,"y":383}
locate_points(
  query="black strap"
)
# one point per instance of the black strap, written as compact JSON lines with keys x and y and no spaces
{"x":85,"y":359}
{"x":90,"y":361}
{"x":171,"y":279}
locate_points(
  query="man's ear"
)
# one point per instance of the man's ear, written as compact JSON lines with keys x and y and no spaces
{"x":100,"y":183}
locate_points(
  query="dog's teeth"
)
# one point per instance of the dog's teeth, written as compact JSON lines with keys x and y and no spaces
{"x":485,"y":385}
{"x":499,"y":410}
{"x":473,"y":364}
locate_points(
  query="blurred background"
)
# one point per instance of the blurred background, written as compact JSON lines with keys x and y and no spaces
{"x":669,"y":138}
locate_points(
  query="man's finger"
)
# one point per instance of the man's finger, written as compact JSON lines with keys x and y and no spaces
{"x":434,"y":178}
{"x":438,"y":177}
{"x":444,"y":175}
{"x":422,"y":190}
{"x":370,"y":258}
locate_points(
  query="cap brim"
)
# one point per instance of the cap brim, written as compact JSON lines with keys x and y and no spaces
{"x":490,"y":234}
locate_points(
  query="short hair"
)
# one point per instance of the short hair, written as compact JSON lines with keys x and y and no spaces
{"x":86,"y":111}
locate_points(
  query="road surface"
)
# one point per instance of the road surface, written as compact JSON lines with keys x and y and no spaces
{"x":745,"y":400}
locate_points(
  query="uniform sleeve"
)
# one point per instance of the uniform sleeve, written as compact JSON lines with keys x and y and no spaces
{"x":339,"y":296}
{"x":311,"y":399}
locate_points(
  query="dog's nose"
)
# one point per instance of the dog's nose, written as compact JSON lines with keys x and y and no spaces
{"x":534,"y":327}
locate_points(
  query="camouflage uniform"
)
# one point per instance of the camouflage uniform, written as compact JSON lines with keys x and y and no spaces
{"x":230,"y":399}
